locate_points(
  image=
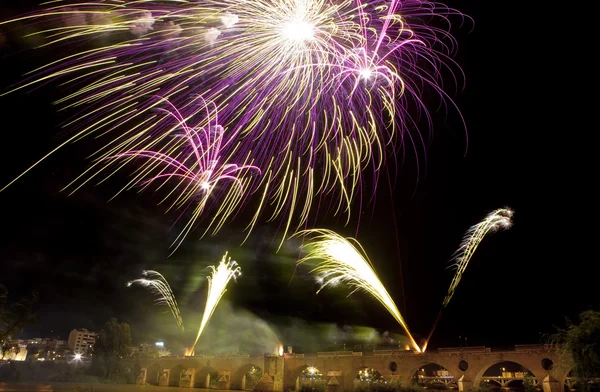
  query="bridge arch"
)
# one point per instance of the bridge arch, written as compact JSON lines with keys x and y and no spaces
{"x":246,"y":377}
{"x":175,"y":375}
{"x":201,"y":379}
{"x":451,"y":364}
{"x":296,"y":374}
{"x":433,"y":375}
{"x":152,"y":374}
{"x":309,"y":377}
{"x":365,"y":376}
{"x":493,"y":371}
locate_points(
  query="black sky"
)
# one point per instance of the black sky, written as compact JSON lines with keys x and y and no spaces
{"x":79,"y":251}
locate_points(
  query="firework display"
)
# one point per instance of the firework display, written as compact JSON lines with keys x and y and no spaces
{"x":495,"y":220}
{"x":218,"y":106}
{"x":310,"y":91}
{"x":190,"y":161}
{"x":157,"y":283}
{"x":217,"y":286}
{"x":343,"y":260}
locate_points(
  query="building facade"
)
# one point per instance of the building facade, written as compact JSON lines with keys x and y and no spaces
{"x":81,"y":340}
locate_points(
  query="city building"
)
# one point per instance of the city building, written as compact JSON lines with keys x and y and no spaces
{"x":14,"y":352}
{"x":81,"y":340}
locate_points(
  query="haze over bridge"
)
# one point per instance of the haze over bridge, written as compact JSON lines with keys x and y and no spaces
{"x":465,"y":367}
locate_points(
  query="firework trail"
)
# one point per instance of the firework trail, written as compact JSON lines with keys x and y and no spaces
{"x":313,"y":90}
{"x":343,"y":260}
{"x":157,"y":283}
{"x":187,"y":162}
{"x":496,"y":220}
{"x":217,"y":286}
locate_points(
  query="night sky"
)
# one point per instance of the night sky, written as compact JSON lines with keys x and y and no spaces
{"x":79,"y":251}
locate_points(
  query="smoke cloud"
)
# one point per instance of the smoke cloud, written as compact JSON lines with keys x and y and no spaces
{"x":228,"y":20}
{"x":142,"y":24}
{"x":211,"y":35}
{"x":237,"y":331}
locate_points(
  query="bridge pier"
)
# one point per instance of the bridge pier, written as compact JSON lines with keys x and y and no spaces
{"x":274,"y":367}
{"x":334,"y":381}
{"x":186,"y":379}
{"x":165,"y":376}
{"x":224,"y":380}
{"x":334,"y":385}
{"x":140,"y":379}
{"x":551,"y":385}
{"x":466,"y":385}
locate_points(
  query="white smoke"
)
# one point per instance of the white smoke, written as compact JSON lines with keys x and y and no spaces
{"x":237,"y":331}
{"x":142,"y":24}
{"x":211,"y":35}
{"x":229,"y":20}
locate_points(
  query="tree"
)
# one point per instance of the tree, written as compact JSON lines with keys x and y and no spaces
{"x":581,"y":342}
{"x":112,"y":344}
{"x":152,"y":352}
{"x":484,"y":387}
{"x":14,"y":317}
{"x":529,"y":384}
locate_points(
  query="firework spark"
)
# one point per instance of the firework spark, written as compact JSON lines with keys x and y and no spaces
{"x":189,"y":158}
{"x":157,"y":283}
{"x":313,"y":90}
{"x":496,"y":220}
{"x":217,"y":286}
{"x":343,"y":260}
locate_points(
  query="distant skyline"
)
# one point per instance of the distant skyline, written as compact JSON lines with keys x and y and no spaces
{"x":78,"y":252}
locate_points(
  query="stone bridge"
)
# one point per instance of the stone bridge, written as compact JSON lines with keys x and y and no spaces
{"x":339,"y":369}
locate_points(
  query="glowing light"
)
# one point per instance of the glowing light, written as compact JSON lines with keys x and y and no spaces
{"x":343,"y":260}
{"x":496,"y":220}
{"x":217,"y":286}
{"x":157,"y":283}
{"x":77,"y":357}
{"x":365,"y":73}
{"x":298,"y":31}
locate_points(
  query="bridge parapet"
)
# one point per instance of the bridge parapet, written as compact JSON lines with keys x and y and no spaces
{"x":334,"y":354}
